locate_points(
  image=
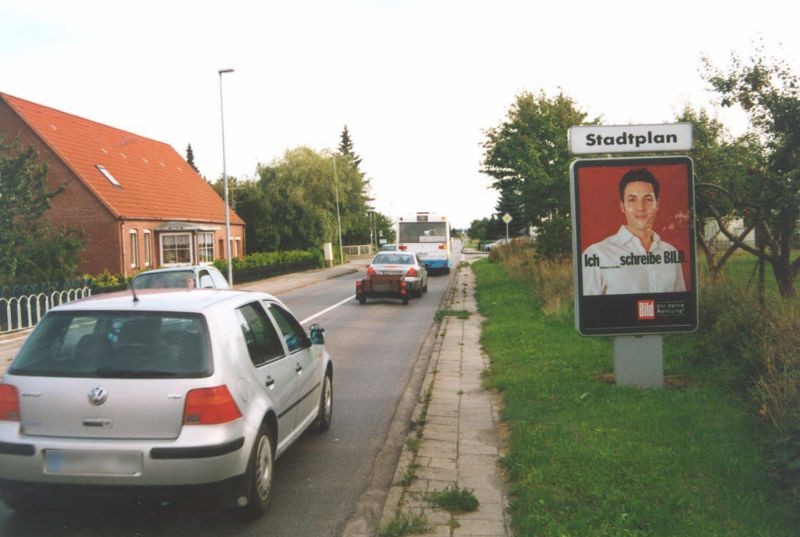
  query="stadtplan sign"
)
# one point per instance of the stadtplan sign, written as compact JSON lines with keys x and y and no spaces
{"x":594,"y":139}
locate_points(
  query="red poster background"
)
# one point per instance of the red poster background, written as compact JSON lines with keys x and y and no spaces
{"x":600,"y":214}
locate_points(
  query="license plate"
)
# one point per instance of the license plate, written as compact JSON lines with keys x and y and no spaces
{"x":73,"y":462}
{"x":382,"y":287}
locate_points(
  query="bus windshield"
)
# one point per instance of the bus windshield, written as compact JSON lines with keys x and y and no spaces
{"x":414,"y":232}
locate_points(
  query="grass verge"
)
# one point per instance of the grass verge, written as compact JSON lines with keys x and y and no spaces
{"x":588,"y":458}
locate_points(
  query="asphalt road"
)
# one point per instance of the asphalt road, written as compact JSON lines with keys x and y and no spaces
{"x":322,"y":480}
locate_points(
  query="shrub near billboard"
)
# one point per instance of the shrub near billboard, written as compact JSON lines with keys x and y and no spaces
{"x":634,"y":248}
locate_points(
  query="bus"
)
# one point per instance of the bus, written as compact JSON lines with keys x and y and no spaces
{"x":428,"y":236}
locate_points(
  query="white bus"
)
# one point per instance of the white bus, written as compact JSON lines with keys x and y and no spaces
{"x":428,"y":236}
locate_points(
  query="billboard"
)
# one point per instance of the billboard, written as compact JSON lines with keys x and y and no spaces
{"x":633,"y":245}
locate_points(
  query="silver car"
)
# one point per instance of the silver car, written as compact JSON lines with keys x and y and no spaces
{"x":195,"y":276}
{"x":393,"y":274}
{"x":158,"y":389}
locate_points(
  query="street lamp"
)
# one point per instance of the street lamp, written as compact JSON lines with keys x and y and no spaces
{"x":338,"y":216}
{"x":225,"y":181}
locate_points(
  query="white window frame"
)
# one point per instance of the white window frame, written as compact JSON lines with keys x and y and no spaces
{"x":134,"y":246}
{"x":161,"y":249}
{"x":207,"y":247}
{"x":148,"y":248}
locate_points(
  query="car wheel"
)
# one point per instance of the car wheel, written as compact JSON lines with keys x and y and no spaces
{"x":362,"y":299}
{"x":425,"y":287}
{"x":258,"y":479}
{"x":325,"y":416}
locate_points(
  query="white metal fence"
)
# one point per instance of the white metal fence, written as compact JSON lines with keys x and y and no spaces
{"x":358,"y":250}
{"x":21,"y":312}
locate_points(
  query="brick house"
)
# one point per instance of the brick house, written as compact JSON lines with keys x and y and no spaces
{"x":138,"y":201}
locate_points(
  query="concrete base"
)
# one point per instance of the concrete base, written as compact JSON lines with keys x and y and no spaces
{"x":639,"y":361}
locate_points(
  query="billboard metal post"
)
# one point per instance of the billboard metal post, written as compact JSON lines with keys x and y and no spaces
{"x":639,"y":361}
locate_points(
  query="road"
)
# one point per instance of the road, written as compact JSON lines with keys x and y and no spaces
{"x":321,"y":479}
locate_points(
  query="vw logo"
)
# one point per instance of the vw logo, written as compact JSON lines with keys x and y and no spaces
{"x":98,"y":395}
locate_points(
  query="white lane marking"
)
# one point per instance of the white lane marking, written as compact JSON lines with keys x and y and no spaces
{"x":326,"y":310}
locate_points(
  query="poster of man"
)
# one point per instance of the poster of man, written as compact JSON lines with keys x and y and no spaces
{"x":635,"y":259}
{"x":634,"y":240}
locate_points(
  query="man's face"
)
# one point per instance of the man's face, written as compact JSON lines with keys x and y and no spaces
{"x":639,"y":206}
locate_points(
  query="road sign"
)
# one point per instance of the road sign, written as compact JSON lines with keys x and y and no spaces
{"x":597,"y":139}
{"x":507,"y":218}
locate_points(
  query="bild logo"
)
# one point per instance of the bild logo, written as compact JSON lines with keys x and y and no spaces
{"x":646,"y":310}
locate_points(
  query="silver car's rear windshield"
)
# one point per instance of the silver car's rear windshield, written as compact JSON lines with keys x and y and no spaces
{"x":164,"y":280}
{"x":393,"y":259}
{"x":116,"y":345}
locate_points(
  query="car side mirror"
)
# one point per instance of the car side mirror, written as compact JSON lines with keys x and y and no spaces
{"x":317,"y":334}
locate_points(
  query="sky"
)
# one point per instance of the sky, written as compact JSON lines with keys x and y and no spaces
{"x":417,"y":83}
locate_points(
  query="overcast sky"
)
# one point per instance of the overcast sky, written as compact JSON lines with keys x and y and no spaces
{"x":416,"y":82}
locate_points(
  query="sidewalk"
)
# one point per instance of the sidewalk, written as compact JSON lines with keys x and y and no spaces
{"x":459,"y":443}
{"x":289,"y":282}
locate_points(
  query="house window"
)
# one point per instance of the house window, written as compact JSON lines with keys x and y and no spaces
{"x":134,"y":249}
{"x":205,"y":247}
{"x":148,"y":248}
{"x":176,"y":249}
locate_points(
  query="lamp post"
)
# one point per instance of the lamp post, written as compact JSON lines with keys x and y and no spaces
{"x":225,"y":182}
{"x":338,"y":217}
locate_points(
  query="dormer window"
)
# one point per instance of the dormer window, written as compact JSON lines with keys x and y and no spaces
{"x":107,"y":175}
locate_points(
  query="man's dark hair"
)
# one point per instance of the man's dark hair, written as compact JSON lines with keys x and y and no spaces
{"x":640,"y":175}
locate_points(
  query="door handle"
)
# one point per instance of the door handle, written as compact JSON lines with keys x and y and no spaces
{"x":299,"y":368}
{"x":270,"y":382}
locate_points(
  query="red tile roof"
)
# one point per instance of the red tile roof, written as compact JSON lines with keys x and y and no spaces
{"x":155,"y":182}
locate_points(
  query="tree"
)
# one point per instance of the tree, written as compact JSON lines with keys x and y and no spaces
{"x":528,"y":158}
{"x":31,"y":249}
{"x":190,"y":158}
{"x":770,"y":94}
{"x":479,"y":229}
{"x":721,"y":169}
{"x":510,"y":203}
{"x":346,"y":148}
{"x":360,"y":223}
{"x":292,"y":205}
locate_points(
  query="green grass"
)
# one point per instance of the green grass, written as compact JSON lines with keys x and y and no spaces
{"x":453,"y":499}
{"x":404,"y":524}
{"x":458,"y":314}
{"x":588,"y":458}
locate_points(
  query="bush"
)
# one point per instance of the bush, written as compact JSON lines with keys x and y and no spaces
{"x":265,"y":264}
{"x":106,"y":282}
